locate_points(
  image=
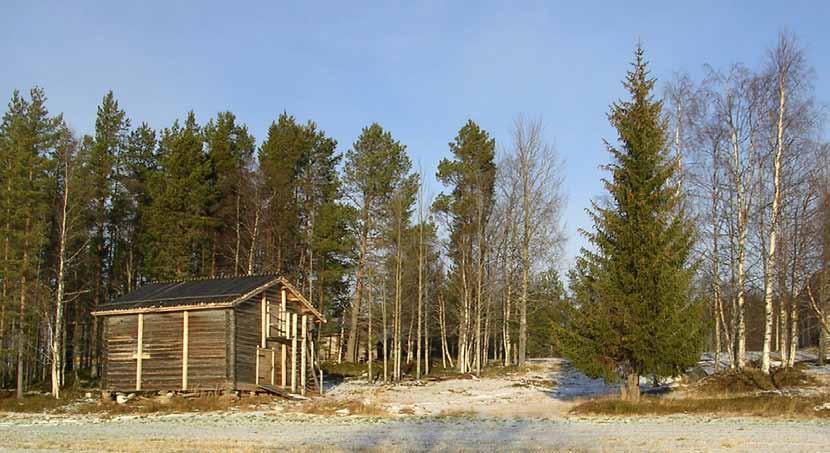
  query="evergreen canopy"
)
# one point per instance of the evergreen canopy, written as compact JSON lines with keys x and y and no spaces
{"x":633,"y":313}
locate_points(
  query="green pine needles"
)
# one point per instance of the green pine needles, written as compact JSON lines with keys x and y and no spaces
{"x":633,"y":312}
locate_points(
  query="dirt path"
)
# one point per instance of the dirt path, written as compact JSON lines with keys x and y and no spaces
{"x":550,"y":388}
{"x":263,"y":431}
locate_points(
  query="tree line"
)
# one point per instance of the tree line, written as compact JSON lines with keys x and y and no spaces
{"x":714,"y":234}
{"x":88,"y":218}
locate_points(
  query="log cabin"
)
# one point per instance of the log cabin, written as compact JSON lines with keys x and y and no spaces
{"x":251,"y":333}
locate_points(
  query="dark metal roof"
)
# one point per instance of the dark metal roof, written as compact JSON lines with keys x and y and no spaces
{"x":188,"y":292}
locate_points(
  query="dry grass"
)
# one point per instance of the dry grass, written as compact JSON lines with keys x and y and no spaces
{"x":436,"y":372}
{"x":407,"y":411}
{"x":139,"y":405}
{"x":492,"y":371}
{"x":343,"y":407}
{"x":748,"y":392}
{"x":456,"y":413}
{"x":31,"y":403}
{"x":767,"y":405}
{"x":753,"y":380}
{"x":37,"y":403}
{"x":499,"y":371}
{"x":178,"y":404}
{"x":351,"y":370}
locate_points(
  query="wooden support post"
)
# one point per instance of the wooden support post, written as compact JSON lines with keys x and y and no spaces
{"x":294,"y":352}
{"x":283,"y":370}
{"x":230,"y":349}
{"x":264,"y":321}
{"x":139,"y":355}
{"x":285,"y":316}
{"x":303,"y":363}
{"x":256,"y":376}
{"x":267,"y":316}
{"x":284,"y":319}
{"x":273,"y":364}
{"x":185,"y":346}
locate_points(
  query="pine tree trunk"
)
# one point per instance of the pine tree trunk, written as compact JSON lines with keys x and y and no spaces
{"x":385,"y":333}
{"x":369,"y":340}
{"x":398,"y":293}
{"x":351,"y":348}
{"x":237,"y":248}
{"x":464,"y":318}
{"x":254,"y":236}
{"x":480,"y":257}
{"x":420,"y":290}
{"x":630,"y":387}
{"x":21,"y":327}
{"x":783,"y":328}
{"x":445,"y":348}
{"x":426,"y":329}
{"x":409,"y":349}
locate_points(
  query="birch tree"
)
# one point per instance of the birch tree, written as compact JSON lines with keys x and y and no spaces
{"x":538,"y":171}
{"x":787,"y":73}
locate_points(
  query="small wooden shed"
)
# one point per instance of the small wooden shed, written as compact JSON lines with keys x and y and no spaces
{"x":244,"y":333}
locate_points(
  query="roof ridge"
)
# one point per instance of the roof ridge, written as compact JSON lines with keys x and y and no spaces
{"x":215,"y":277}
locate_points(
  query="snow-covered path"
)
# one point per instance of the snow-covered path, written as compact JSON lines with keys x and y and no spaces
{"x":550,"y":388}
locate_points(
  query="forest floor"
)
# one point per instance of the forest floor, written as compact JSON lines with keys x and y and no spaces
{"x":530,"y":409}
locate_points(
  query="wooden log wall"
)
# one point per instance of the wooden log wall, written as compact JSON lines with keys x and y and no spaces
{"x":207,"y":364}
{"x":161,"y":365}
{"x":120,"y":347}
{"x":160,"y":349}
{"x":247,"y":339}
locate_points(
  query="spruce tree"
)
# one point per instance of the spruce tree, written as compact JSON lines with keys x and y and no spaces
{"x":177,"y":223}
{"x":230,"y":148}
{"x":140,"y":162}
{"x":633,"y":312}
{"x":107,"y":209}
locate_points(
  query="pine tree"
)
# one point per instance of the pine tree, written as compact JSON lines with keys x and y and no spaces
{"x":28,"y":136}
{"x":634,"y":313}
{"x":471,"y":175}
{"x":177,"y":222}
{"x":374,"y":167}
{"x":281,"y":158}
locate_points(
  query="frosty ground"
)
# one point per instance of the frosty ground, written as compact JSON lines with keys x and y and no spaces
{"x":526,"y":410}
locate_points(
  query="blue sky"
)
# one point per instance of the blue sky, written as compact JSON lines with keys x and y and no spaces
{"x":420,"y":69}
